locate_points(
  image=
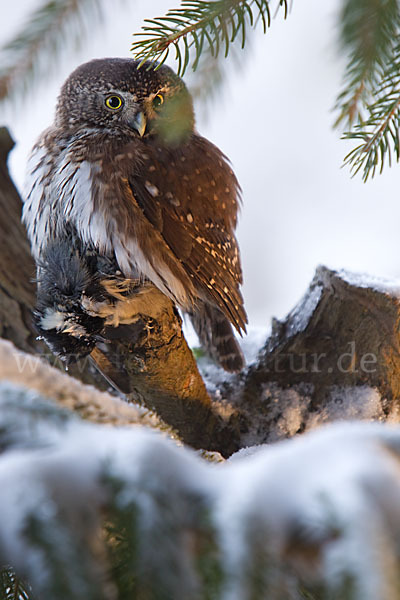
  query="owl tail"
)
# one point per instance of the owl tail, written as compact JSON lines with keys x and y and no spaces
{"x":217,"y":338}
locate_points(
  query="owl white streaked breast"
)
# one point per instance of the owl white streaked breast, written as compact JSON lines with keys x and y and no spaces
{"x":123,"y":168}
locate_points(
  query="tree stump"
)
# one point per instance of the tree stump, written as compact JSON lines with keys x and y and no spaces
{"x":335,"y":356}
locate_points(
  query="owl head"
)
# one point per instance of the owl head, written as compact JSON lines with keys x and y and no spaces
{"x":116,"y":95}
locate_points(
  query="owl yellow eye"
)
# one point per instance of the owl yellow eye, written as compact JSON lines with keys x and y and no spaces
{"x":114,"y":102}
{"x":158,"y":100}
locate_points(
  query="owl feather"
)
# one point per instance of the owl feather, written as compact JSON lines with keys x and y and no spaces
{"x":122,"y":174}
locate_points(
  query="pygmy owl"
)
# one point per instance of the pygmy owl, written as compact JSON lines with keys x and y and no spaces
{"x":123,"y":178}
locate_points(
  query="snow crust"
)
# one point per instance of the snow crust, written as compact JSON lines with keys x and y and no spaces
{"x":365,"y":280}
{"x":322,"y":508}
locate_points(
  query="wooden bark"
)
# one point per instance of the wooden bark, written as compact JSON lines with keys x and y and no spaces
{"x":154,"y":366}
{"x":17,"y":269}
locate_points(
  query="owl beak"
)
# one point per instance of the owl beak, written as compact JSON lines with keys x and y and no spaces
{"x":139,"y":123}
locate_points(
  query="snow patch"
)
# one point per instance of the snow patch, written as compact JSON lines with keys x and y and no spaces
{"x":327,"y":492}
{"x":252,"y":343}
{"x":285,"y":413}
{"x":347,"y":403}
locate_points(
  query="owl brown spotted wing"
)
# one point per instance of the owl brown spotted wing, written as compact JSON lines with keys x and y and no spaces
{"x":190,"y":195}
{"x":123,"y":173}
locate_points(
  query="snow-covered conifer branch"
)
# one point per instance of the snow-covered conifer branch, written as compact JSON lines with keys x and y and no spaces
{"x":314,"y":516}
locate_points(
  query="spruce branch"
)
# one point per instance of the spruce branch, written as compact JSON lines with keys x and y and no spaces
{"x":11,"y":586}
{"x":379,"y":132}
{"x":368,"y":32}
{"x":200,"y":25}
{"x":40,"y":43}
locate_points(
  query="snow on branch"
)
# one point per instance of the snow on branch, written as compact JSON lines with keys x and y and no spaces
{"x":93,"y":513}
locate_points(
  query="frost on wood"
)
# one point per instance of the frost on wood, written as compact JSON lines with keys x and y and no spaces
{"x":92,"y":513}
{"x":86,"y":401}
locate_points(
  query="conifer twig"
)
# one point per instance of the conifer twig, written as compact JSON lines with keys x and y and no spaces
{"x":199,"y":25}
{"x":370,"y":101}
{"x":379,"y":132}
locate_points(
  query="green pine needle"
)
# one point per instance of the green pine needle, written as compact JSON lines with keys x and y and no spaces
{"x":368,"y":34}
{"x":199,"y":25}
{"x":379,"y":131}
{"x":370,"y":101}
